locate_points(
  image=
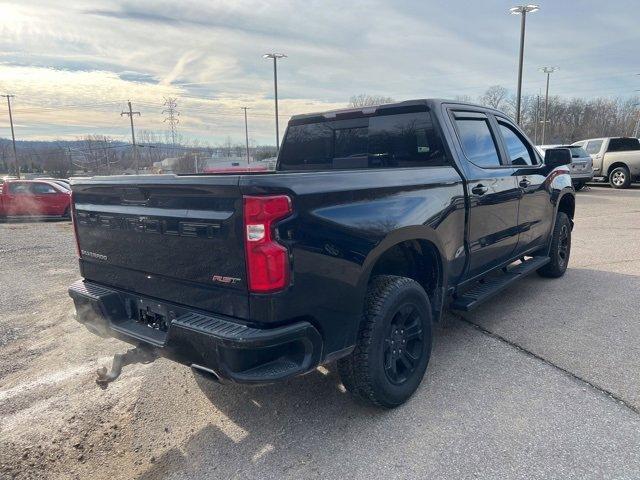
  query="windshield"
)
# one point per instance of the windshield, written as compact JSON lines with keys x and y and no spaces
{"x":400,"y":140}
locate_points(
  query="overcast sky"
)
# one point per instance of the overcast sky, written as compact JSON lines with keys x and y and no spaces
{"x":72,"y":65}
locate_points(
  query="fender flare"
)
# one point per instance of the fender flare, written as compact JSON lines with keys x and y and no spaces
{"x":561,"y":194}
{"x":395,"y":237}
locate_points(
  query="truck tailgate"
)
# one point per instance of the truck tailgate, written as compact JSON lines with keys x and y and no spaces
{"x":170,"y":237}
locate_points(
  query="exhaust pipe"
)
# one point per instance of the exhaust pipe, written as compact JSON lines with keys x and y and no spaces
{"x":205,"y":372}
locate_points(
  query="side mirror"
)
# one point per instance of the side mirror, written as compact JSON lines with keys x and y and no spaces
{"x":556,"y":157}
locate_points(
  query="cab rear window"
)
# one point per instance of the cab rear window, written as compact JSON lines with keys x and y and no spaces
{"x":384,"y":141}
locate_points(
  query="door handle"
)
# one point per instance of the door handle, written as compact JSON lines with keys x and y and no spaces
{"x":524,"y":183}
{"x":480,"y":189}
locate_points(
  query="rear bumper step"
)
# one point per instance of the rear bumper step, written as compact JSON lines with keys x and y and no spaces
{"x":228,"y":349}
{"x":486,"y":288}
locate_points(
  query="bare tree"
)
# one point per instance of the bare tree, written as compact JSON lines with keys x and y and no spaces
{"x":365,"y":100}
{"x":57,"y":162}
{"x":494,"y":97}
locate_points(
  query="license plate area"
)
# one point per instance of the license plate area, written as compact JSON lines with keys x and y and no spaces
{"x":153,"y":315}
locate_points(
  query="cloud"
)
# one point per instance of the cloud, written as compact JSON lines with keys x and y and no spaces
{"x":208,"y":54}
{"x":179,"y":67}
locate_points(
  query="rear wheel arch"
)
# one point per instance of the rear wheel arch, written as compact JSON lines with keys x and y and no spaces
{"x":567,"y":204}
{"x":417,"y":258}
{"x":615,"y":165}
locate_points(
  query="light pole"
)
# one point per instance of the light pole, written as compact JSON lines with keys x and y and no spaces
{"x":548,"y":71}
{"x":521,"y":10}
{"x":275,"y":57}
{"x":246,"y":131}
{"x":636,"y":130}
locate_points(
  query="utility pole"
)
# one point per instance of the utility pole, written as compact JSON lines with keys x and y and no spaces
{"x":130,"y":114}
{"x":246,"y":131}
{"x":548,"y":71}
{"x":636,"y":131}
{"x":172,"y":117}
{"x":275,"y":57}
{"x":13,"y":135}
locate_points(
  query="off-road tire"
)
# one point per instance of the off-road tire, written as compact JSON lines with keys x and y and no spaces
{"x":560,"y":248}
{"x":620,"y":177}
{"x":363,"y":372}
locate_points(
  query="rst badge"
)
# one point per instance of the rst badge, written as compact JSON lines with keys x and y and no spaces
{"x":225,"y":280}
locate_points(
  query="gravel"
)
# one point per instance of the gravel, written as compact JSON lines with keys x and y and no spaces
{"x":544,"y":387}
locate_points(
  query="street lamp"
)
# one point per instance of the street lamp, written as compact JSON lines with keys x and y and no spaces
{"x":548,"y":71}
{"x":521,"y":10}
{"x":275,"y":57}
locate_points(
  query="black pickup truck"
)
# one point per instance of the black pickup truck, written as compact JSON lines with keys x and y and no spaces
{"x":375,"y":220}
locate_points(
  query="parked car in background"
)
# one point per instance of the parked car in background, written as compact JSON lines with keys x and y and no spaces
{"x":615,"y":159}
{"x":64,"y":183}
{"x":581,"y":167}
{"x":34,"y":198}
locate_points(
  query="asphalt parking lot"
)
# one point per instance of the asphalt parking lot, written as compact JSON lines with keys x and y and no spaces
{"x":542,"y":382}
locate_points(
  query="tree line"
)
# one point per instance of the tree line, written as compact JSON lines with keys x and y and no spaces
{"x":104,"y":155}
{"x":568,"y":119}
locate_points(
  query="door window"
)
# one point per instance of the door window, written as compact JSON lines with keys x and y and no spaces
{"x":593,"y":147}
{"x":519,"y":152}
{"x":477,"y":142}
{"x":19,"y":188}
{"x":43,"y":189}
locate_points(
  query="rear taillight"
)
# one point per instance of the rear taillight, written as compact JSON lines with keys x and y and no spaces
{"x":267,"y":260}
{"x":74,"y":223}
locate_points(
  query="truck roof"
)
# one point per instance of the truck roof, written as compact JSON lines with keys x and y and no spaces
{"x":429,"y":103}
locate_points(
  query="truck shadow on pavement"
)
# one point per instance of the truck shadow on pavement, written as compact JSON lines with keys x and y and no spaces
{"x":259,"y":423}
{"x":309,"y":425}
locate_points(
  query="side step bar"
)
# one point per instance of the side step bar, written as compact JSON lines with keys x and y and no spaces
{"x":488,"y":287}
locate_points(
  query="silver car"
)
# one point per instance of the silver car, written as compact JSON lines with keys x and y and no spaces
{"x":581,"y":167}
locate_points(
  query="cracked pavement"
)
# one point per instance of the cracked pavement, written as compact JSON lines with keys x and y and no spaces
{"x":542,"y":382}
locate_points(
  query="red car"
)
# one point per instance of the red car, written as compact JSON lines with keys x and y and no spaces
{"x":35,"y":198}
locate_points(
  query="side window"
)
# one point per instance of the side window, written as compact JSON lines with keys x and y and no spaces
{"x":623,"y":145}
{"x":43,"y":189}
{"x":519,"y":152}
{"x":405,"y":140}
{"x":19,"y":188}
{"x":477,"y":142}
{"x":593,"y":147}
